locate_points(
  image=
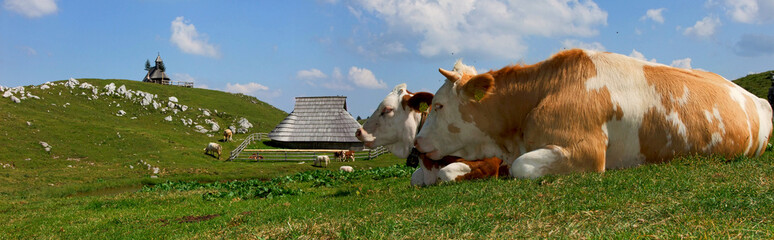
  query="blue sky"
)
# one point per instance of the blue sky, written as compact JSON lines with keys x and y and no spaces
{"x":278,"y":50}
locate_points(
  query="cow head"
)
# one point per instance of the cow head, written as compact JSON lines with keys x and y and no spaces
{"x":393,"y":124}
{"x":450,"y":131}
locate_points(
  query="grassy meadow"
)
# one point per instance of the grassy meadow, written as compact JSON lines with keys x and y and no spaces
{"x":94,"y":184}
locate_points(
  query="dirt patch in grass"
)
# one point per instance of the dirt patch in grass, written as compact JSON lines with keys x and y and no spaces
{"x":190,"y":219}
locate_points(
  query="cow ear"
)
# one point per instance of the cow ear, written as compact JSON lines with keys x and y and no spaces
{"x":451,"y":76}
{"x":421,"y":101}
{"x":478,"y":87}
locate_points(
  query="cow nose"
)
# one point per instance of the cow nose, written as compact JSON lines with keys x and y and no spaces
{"x":359,"y":132}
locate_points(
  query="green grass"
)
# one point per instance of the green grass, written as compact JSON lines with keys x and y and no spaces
{"x":687,"y":198}
{"x":92,"y":148}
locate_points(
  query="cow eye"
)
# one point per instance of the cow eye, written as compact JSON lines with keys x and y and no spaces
{"x":386,"y":110}
{"x":438,"y":106}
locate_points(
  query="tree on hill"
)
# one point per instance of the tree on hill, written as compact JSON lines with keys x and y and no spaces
{"x":147,"y":64}
{"x":161,"y":67}
{"x":756,"y":83}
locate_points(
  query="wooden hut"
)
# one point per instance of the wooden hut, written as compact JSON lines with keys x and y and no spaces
{"x":318,"y":123}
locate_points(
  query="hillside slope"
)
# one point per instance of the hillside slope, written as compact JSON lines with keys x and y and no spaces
{"x":758,"y":83}
{"x":155,"y":138}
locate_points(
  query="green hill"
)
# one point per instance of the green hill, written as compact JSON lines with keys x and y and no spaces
{"x":91,"y":146}
{"x":758,"y":83}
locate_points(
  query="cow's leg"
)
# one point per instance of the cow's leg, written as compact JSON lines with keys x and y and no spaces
{"x":418,"y":177}
{"x":553,"y":159}
{"x":537,"y":163}
{"x":452,"y":171}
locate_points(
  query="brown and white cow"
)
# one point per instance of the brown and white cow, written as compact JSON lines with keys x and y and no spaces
{"x":394,"y":125}
{"x":582,"y":110}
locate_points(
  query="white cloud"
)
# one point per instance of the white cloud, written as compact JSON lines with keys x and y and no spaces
{"x":358,"y":77}
{"x":640,"y":56}
{"x":703,"y":28}
{"x":31,"y":8}
{"x":362,"y":77}
{"x":750,"y":11}
{"x":185,"y":36}
{"x":655,"y":15}
{"x":29,"y":50}
{"x":311,"y":74}
{"x":682,"y":63}
{"x":572,"y":43}
{"x":249,"y":88}
{"x":488,"y":27}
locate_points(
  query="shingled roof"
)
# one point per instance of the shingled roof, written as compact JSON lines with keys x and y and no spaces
{"x":318,"y":122}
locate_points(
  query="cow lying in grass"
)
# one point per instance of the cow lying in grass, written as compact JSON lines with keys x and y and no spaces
{"x":394,"y":125}
{"x":321,"y":161}
{"x":213,"y":148}
{"x":588,"y":111}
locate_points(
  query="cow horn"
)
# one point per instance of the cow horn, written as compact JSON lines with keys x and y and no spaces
{"x":453,"y":76}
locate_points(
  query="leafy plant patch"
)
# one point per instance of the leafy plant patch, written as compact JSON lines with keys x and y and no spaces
{"x":254,"y":188}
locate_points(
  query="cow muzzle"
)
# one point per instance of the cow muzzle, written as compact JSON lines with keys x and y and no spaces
{"x":365,"y":137}
{"x":426,"y":147}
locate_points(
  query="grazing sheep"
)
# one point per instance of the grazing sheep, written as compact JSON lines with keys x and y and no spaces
{"x":346,"y":169}
{"x":227,"y":135}
{"x":321,"y":161}
{"x":213,"y":148}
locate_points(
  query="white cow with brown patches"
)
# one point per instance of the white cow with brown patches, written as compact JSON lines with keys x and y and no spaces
{"x":394,"y":125}
{"x":582,"y":110}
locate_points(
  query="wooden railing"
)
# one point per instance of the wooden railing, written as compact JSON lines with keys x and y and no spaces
{"x":241,"y":153}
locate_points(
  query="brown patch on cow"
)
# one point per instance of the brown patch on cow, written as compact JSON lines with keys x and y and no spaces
{"x":618,"y":112}
{"x":415,"y":101}
{"x":404,"y":102}
{"x":453,"y":129}
{"x":660,"y":139}
{"x":539,"y":112}
{"x":479,"y":169}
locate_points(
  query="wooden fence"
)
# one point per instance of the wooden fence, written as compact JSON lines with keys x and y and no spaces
{"x":241,"y":153}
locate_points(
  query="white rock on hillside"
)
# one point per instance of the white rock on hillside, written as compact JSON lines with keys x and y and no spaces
{"x":44,"y":87}
{"x":7,"y":94}
{"x":110,"y":88}
{"x":173,"y":99}
{"x":215,"y":126}
{"x":86,"y":85}
{"x":45,"y":146}
{"x":244,"y":125}
{"x":206,"y":113}
{"x":183,"y":107}
{"x":72,"y":83}
{"x":29,"y":95}
{"x":168,"y":118}
{"x":200,"y":129}
{"x":121,"y":113}
{"x":15,"y":99}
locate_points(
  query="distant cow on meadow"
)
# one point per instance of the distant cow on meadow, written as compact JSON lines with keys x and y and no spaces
{"x":213,"y":148}
{"x":321,"y":161}
{"x":344,"y":155}
{"x":227,"y":135}
{"x":583,"y":111}
{"x":394,"y":124}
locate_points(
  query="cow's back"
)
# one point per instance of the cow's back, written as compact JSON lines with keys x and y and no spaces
{"x":660,"y":112}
